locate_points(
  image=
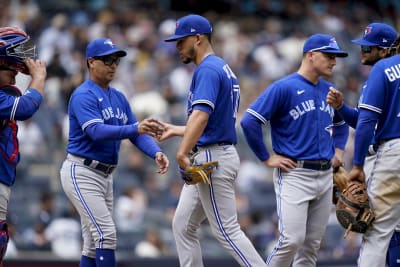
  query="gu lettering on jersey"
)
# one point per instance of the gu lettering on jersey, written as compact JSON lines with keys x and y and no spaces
{"x":108,"y":113}
{"x":308,"y":106}
{"x":393,"y":72}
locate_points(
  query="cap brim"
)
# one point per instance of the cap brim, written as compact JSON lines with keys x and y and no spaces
{"x":120,"y":53}
{"x":175,"y":37}
{"x":363,"y":42}
{"x":338,"y":53}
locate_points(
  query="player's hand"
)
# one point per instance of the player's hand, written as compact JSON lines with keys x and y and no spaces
{"x":152,"y":127}
{"x":162,"y":162}
{"x":37,"y":68}
{"x":336,"y":161}
{"x":170,"y":130}
{"x":284,"y":163}
{"x":357,"y":174}
{"x":183,"y":160}
{"x":334,"y":98}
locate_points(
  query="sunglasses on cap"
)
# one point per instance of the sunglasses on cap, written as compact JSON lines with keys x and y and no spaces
{"x":108,"y":61}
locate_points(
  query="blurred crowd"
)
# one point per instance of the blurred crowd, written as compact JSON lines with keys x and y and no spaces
{"x":260,"y":39}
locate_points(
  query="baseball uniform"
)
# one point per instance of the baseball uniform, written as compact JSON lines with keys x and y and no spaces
{"x":99,"y":118}
{"x":214,"y":90}
{"x":307,"y":130}
{"x":379,"y":106}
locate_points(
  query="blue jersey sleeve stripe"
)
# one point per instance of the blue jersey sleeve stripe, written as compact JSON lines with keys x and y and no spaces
{"x":203,"y":101}
{"x":258,"y":116}
{"x":14,"y":108}
{"x":86,"y":124}
{"x":372,"y":108}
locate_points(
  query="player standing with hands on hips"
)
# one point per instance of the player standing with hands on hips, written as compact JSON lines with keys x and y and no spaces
{"x":15,"y":106}
{"x":99,"y":118}
{"x":378,"y":118}
{"x":375,"y":45}
{"x":209,"y":135}
{"x":308,"y":138}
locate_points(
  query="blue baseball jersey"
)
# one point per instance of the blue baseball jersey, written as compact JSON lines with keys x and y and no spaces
{"x":215,"y":89}
{"x":96,"y":105}
{"x":382,"y":95}
{"x":14,"y":108}
{"x":302,"y":123}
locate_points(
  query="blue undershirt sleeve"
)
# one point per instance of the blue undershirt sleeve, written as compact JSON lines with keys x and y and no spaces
{"x":364,"y":133}
{"x":252,"y":130}
{"x":350,"y":115}
{"x":146,"y":144}
{"x":100,"y":131}
{"x":340,"y":135}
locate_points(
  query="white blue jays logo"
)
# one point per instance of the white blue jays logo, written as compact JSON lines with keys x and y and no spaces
{"x":329,"y":129}
{"x":109,"y":42}
{"x":333,"y":43}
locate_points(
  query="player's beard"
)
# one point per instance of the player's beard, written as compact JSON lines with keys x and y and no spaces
{"x":371,"y":59}
{"x":191,"y":56}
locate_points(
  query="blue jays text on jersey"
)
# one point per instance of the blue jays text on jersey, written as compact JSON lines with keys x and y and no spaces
{"x":307,"y":106}
{"x":96,"y":105}
{"x":108,"y":113}
{"x":302,"y":123}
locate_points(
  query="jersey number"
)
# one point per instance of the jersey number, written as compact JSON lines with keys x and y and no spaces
{"x":235,"y":95}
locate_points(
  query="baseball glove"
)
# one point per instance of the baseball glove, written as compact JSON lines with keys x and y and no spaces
{"x":198,"y":173}
{"x":352,"y":208}
{"x":339,"y":182}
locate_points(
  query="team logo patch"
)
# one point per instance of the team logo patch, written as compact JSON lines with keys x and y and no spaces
{"x":109,"y":42}
{"x":368,"y":30}
{"x":333,"y":43}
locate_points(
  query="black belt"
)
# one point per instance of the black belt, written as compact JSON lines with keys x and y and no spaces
{"x":319,"y":165}
{"x":196,"y":148}
{"x":106,"y":168}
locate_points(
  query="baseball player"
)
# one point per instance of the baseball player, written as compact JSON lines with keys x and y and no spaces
{"x":378,"y":118}
{"x":209,"y":135}
{"x":14,"y":106}
{"x":99,"y":118}
{"x":308,"y":138}
{"x":375,"y":45}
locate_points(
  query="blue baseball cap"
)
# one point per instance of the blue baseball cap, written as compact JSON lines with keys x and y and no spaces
{"x":103,"y":47}
{"x":323,"y":43}
{"x":190,"y":25}
{"x":377,"y":34}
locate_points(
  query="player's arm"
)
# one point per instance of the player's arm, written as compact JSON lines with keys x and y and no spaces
{"x":350,"y":115}
{"x":170,"y":130}
{"x":335,"y":99}
{"x":195,"y":126}
{"x":37,"y":70}
{"x":252,"y":130}
{"x":100,"y":131}
{"x":23,"y":107}
{"x":340,"y":136}
{"x":363,"y":135}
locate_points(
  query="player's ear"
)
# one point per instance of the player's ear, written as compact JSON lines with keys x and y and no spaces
{"x":89,"y":61}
